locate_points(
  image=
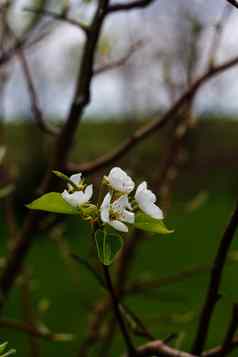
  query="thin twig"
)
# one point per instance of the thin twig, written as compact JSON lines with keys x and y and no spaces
{"x":35,"y":332}
{"x":141,"y":286}
{"x":234,"y":3}
{"x":36,"y":110}
{"x":151,"y":128}
{"x":216,"y":351}
{"x":214,"y":285}
{"x":59,"y":17}
{"x":137,"y":4}
{"x":227,"y":345}
{"x":118,"y":316}
{"x":35,"y":106}
{"x":217,"y":35}
{"x":121,"y":61}
{"x":28,"y":313}
{"x":160,"y":349}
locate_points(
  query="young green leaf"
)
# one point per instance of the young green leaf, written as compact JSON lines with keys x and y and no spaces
{"x":3,"y":352}
{"x":65,"y":178}
{"x":108,"y":245}
{"x":149,"y":224}
{"x":3,"y":347}
{"x":52,"y":202}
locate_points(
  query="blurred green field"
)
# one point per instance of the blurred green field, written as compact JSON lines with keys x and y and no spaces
{"x":71,"y":291}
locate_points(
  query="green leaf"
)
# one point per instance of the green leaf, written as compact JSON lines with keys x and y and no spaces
{"x":149,"y":224}
{"x":9,"y":353}
{"x":3,"y":347}
{"x":108,"y":245}
{"x":52,"y":202}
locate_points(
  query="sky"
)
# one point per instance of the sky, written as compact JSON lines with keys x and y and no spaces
{"x":139,"y":85}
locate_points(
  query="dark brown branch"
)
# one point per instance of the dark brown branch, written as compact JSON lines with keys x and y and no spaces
{"x":227,"y":345}
{"x":214,"y":285}
{"x":216,"y":351}
{"x":131,"y":5}
{"x":82,"y":91}
{"x":151,"y":128}
{"x":62,"y":147}
{"x":59,"y":17}
{"x":234,"y":3}
{"x":121,"y":61}
{"x":118,"y":315}
{"x":97,"y":317}
{"x":140,"y":286}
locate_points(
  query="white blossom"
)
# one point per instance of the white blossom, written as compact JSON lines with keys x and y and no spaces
{"x":146,"y":201}
{"x":76,"y":179}
{"x":115,"y":213}
{"x":80,"y":197}
{"x":120,"y":181}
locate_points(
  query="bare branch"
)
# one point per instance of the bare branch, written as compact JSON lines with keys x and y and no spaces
{"x":117,"y":313}
{"x":35,"y":332}
{"x":217,"y":36}
{"x":62,"y":147}
{"x":59,"y":17}
{"x":227,"y":345}
{"x":217,"y":351}
{"x":215,"y":281}
{"x":153,"y":126}
{"x":136,"y":4}
{"x":140,"y":286}
{"x":24,"y":43}
{"x":160,"y":349}
{"x":36,"y":110}
{"x":234,"y":3}
{"x":121,"y":61}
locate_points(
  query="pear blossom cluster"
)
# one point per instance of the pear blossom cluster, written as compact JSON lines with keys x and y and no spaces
{"x":120,"y":204}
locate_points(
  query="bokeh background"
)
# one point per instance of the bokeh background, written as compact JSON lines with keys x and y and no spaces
{"x":169,"y":45}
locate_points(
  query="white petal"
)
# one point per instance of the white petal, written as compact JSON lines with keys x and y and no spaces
{"x":82,"y":198}
{"x":105,"y":207}
{"x":127,"y":203}
{"x":149,"y":196}
{"x":76,"y":178}
{"x":128,"y":217}
{"x":88,"y":192}
{"x":120,"y":204}
{"x":119,"y":226}
{"x":72,"y":199}
{"x":152,"y":210}
{"x":142,"y":187}
{"x":106,"y":201}
{"x":104,"y":214}
{"x":144,"y":195}
{"x":120,"y":181}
